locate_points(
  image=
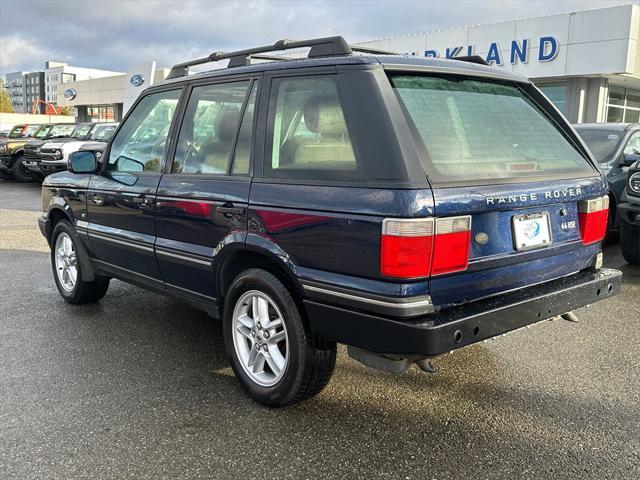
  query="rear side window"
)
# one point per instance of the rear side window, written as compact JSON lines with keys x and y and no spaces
{"x":476,"y":130}
{"x":209,"y":128}
{"x":308,"y":131}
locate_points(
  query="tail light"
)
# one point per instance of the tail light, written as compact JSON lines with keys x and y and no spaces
{"x":593,"y":215}
{"x":413,"y":248}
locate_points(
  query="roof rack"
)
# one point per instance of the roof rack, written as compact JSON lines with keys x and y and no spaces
{"x":320,"y":47}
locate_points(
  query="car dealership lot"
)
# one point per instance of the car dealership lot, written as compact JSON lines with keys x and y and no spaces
{"x":138,"y":385}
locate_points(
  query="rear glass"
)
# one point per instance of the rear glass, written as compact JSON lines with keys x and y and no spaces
{"x":476,"y":130}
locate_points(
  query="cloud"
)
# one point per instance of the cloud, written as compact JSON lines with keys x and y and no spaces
{"x":114,"y":34}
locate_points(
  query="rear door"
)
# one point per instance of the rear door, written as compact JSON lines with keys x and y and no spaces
{"x":121,"y":200}
{"x":498,"y":153}
{"x":203,"y":197}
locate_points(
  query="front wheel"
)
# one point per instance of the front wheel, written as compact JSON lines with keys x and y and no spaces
{"x":630,"y":242}
{"x":67,"y":268}
{"x":20,"y":172}
{"x":273,"y":353}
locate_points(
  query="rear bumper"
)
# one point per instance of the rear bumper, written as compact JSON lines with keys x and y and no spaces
{"x":629,"y":213}
{"x":437,"y":333}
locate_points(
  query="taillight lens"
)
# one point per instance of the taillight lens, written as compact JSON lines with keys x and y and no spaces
{"x":593,"y":215}
{"x":406,"y":247}
{"x":451,"y":246}
{"x":413,"y":248}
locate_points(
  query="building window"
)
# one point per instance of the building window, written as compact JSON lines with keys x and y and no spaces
{"x":623,"y":105}
{"x":557,"y":93}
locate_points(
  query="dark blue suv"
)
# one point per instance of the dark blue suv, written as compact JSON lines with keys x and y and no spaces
{"x":403,"y":206}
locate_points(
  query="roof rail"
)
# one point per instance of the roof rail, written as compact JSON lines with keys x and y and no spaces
{"x":320,"y":47}
{"x":471,"y":59}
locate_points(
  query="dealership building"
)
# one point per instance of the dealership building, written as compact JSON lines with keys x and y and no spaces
{"x":586,"y":62}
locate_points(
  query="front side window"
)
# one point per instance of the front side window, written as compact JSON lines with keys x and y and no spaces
{"x":81,"y":131}
{"x":209,"y":128}
{"x":602,"y":142}
{"x":103,"y":133}
{"x":308,"y":131}
{"x":43,"y":131}
{"x":61,"y":131}
{"x":477,"y":130}
{"x":141,"y":143}
{"x":633,"y":145}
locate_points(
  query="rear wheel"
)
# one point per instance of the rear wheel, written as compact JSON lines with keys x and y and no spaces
{"x":20,"y":172}
{"x":67,"y":268}
{"x":630,"y":242}
{"x":273,"y":353}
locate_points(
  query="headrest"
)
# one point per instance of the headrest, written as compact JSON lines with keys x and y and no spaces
{"x":226,"y":123}
{"x":324,"y":115}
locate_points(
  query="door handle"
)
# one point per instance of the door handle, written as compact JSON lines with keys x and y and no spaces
{"x":142,"y":200}
{"x":230,"y":210}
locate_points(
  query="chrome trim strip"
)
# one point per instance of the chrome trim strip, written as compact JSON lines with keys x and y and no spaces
{"x":402,"y":304}
{"x":101,"y":236}
{"x":183,"y":257}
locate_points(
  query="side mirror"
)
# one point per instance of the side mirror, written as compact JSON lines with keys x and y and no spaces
{"x":83,"y":161}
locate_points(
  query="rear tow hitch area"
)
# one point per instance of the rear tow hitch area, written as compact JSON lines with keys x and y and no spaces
{"x":389,"y":364}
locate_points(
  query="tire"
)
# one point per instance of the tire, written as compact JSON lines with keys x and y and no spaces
{"x":20,"y":172}
{"x":5,"y":175}
{"x":78,"y":291}
{"x":308,"y":360}
{"x":630,"y":243}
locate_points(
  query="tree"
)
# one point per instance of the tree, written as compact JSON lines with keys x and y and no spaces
{"x":5,"y":100}
{"x":65,"y":111}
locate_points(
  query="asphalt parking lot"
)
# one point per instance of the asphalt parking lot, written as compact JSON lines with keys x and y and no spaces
{"x":138,"y":386}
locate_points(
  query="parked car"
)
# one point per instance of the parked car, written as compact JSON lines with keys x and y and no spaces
{"x":629,"y":213}
{"x":12,"y":151}
{"x":54,"y":154}
{"x":66,"y":132}
{"x":615,"y":146}
{"x":403,"y":206}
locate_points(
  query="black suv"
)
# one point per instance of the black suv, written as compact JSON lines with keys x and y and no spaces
{"x":403,"y":206}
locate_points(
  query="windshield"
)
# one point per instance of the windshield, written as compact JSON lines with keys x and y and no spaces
{"x":478,"y":130}
{"x":16,"y":131}
{"x":43,"y":131}
{"x":103,"y":134}
{"x":61,"y":130}
{"x":602,"y":142}
{"x":81,"y":131}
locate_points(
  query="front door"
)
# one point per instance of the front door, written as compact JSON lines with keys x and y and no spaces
{"x":121,"y":200}
{"x":203,"y":198}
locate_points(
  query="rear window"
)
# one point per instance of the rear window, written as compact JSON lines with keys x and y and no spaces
{"x":477,"y":130}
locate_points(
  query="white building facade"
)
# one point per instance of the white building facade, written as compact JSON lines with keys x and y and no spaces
{"x":57,"y":73}
{"x":586,"y":62}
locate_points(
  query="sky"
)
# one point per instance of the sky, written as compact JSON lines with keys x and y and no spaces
{"x":113,"y":34}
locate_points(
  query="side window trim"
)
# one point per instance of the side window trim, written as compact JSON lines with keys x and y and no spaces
{"x":243,"y":110}
{"x":107,"y":152}
{"x":182,"y":110}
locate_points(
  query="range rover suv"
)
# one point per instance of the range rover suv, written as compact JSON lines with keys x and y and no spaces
{"x":403,"y":206}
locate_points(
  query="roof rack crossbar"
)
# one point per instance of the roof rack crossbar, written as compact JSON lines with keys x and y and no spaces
{"x":320,"y":47}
